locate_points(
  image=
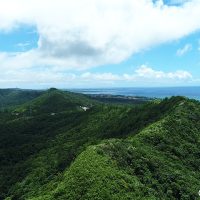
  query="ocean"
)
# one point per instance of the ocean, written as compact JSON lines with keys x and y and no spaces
{"x":158,"y":92}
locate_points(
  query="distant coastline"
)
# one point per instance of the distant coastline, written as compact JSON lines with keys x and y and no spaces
{"x":192,"y":92}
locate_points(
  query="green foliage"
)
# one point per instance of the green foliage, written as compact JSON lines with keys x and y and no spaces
{"x":14,"y":97}
{"x":54,"y":101}
{"x":149,"y":151}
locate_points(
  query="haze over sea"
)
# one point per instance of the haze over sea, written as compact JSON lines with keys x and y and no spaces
{"x":156,"y":92}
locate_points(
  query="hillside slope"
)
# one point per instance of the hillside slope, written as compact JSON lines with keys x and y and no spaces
{"x":107,"y":152}
{"x":14,"y":97}
{"x":56,"y":101}
{"x":160,"y":162}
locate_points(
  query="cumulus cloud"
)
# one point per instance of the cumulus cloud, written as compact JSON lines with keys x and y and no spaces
{"x":147,"y":73}
{"x":184,"y":50}
{"x":142,"y":75}
{"x":80,"y":34}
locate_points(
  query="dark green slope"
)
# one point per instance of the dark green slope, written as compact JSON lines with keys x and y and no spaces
{"x":55,"y":101}
{"x":14,"y":97}
{"x":161,"y":162}
{"x":23,"y":133}
{"x":71,"y":155}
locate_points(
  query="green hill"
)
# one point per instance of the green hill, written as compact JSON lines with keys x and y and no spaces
{"x":148,"y":151}
{"x":55,"y":101}
{"x":160,"y":162}
{"x":14,"y":97}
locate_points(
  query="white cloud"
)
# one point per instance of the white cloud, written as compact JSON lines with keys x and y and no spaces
{"x":184,"y":50}
{"x":100,"y":77}
{"x":147,"y":73}
{"x":80,"y":34}
{"x":142,"y":76}
{"x":143,"y":73}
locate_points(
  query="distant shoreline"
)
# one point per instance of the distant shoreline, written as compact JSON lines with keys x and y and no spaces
{"x":156,"y":92}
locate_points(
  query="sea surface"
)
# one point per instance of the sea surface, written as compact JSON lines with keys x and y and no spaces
{"x":159,"y":92}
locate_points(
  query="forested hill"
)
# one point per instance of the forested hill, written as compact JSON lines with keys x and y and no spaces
{"x":13,"y":97}
{"x":62,"y":145}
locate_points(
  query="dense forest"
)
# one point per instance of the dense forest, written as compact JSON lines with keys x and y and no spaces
{"x":62,"y":145}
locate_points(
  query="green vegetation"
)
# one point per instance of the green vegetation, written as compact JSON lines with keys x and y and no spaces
{"x":51,"y":148}
{"x":119,"y":99}
{"x":13,"y":97}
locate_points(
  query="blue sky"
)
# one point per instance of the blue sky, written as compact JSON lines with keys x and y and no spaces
{"x":66,"y":51}
{"x":163,"y":57}
{"x":22,"y":38}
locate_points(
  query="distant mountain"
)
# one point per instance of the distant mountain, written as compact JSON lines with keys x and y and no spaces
{"x":58,"y":150}
{"x":55,"y":101}
{"x":13,"y":97}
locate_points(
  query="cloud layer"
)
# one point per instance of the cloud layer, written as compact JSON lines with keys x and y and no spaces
{"x":143,"y":75}
{"x":80,"y":34}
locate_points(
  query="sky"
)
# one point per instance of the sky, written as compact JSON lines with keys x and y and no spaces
{"x":99,"y":43}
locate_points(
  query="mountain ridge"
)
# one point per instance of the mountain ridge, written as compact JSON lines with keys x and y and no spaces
{"x":135,"y":150}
